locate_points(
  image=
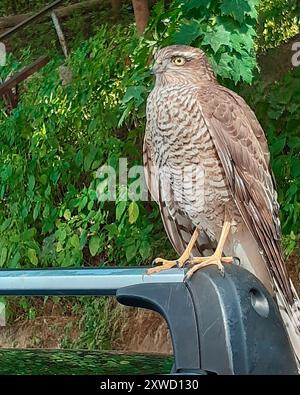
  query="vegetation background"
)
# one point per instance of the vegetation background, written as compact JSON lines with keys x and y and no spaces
{"x":60,"y":133}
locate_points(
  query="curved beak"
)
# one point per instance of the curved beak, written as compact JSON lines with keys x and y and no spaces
{"x":157,"y":68}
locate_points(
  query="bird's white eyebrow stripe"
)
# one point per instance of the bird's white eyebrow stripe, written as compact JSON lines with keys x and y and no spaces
{"x":186,"y":55}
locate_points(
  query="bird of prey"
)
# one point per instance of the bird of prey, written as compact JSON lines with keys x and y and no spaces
{"x":207,"y":165}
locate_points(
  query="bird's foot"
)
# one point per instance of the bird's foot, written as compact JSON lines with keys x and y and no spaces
{"x":200,"y":262}
{"x":166,"y":264}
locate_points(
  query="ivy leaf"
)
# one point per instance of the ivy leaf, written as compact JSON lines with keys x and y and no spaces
{"x":253,"y":11}
{"x":94,"y":245}
{"x":242,"y":68}
{"x":222,"y":67}
{"x":236,"y":8}
{"x":216,"y":38}
{"x":133,"y":211}
{"x":188,"y":33}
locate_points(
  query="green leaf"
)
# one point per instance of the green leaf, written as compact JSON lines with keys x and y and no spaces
{"x":67,"y":214}
{"x":133,"y":212}
{"x":240,"y":69}
{"x":223,"y":68}
{"x":36,"y":210}
{"x":145,"y":249}
{"x":295,"y":167}
{"x":28,"y":234}
{"x":236,"y":8}
{"x":83,"y":203}
{"x":187,"y":33}
{"x":94,"y":245}
{"x":59,"y":247}
{"x":31,"y":253}
{"x":294,"y":142}
{"x":14,"y":263}
{"x":83,"y":238}
{"x":277,"y":146}
{"x":32,"y":313}
{"x":190,"y":4}
{"x":44,"y":179}
{"x":88,"y":160}
{"x":5,"y":225}
{"x":31,"y":182}
{"x":78,"y":159}
{"x":61,"y":234}
{"x":3,"y":256}
{"x":75,"y":242}
{"x":121,"y":207}
{"x":136,"y":93}
{"x":131,"y":251}
{"x":217,"y":38}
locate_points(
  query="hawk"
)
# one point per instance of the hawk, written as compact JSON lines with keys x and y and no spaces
{"x":207,"y":165}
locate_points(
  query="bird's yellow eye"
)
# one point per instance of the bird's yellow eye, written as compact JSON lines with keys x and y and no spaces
{"x":178,"y":60}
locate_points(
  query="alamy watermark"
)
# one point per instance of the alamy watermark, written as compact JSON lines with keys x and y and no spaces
{"x":169,"y":183}
{"x":2,"y":54}
{"x":296,"y":55}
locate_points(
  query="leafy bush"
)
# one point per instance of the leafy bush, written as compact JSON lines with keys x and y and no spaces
{"x":51,"y":147}
{"x":278,"y":21}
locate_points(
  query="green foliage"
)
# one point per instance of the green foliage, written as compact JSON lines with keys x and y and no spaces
{"x":51,"y":147}
{"x":225,"y":31}
{"x":100,"y":324}
{"x":278,"y":21}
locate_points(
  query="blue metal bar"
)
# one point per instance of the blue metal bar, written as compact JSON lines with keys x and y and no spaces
{"x":79,"y":281}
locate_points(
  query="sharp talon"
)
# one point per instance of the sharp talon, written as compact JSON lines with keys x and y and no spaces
{"x":236,"y":261}
{"x":177,"y":264}
{"x":187,"y":263}
{"x":222,"y":271}
{"x":186,"y":277}
{"x":155,"y":261}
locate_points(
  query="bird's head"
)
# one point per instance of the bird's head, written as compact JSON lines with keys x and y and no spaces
{"x":181,"y":64}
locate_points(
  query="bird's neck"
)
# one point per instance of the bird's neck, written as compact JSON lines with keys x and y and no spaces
{"x":165,"y":79}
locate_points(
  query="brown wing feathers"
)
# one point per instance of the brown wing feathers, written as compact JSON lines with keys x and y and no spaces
{"x":243,"y":151}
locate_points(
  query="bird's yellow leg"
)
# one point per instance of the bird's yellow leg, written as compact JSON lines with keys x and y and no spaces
{"x":216,"y":258}
{"x":166,"y":264}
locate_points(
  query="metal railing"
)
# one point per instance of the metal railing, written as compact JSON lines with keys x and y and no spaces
{"x":79,"y":281}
